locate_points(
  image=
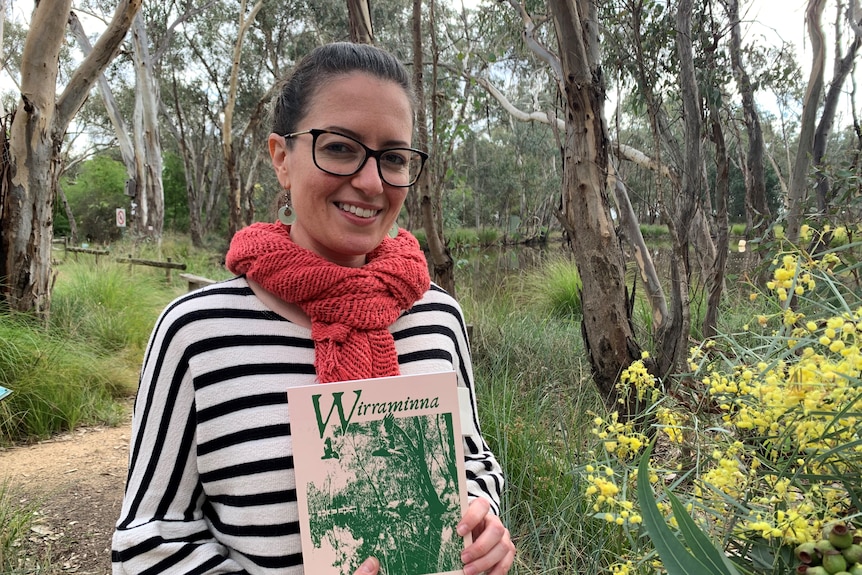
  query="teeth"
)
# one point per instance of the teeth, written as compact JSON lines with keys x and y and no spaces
{"x":357,"y":211}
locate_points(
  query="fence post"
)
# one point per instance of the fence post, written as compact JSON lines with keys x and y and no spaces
{"x":168,"y":273}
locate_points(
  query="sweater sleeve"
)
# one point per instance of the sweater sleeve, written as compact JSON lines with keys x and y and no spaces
{"x":432,"y":336}
{"x":484,"y":474}
{"x":162,"y":526}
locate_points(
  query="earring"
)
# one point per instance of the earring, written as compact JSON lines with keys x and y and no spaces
{"x":286,"y":215}
{"x":393,"y":231}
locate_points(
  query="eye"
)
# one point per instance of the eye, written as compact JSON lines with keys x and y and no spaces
{"x":395,"y":158}
{"x":334,"y":145}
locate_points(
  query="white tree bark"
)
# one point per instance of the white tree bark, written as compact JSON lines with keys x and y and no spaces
{"x":41,"y":120}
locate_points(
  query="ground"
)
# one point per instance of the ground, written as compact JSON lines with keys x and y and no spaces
{"x":75,"y":482}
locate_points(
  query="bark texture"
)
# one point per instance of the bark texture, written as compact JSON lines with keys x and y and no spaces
{"x":28,"y":188}
{"x":606,"y":326}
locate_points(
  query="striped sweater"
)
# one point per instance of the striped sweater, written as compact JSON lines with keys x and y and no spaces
{"x":211,"y":484}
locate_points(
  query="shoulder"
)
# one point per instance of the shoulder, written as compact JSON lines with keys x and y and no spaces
{"x":229,"y":298}
{"x":435,"y":308}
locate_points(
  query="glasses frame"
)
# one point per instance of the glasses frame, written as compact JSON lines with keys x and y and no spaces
{"x":369,"y":153}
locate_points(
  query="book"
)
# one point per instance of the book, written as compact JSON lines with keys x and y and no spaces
{"x":4,"y":392}
{"x":379,"y":468}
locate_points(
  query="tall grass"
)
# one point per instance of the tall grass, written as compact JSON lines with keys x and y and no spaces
{"x":58,"y":383}
{"x":554,"y":289}
{"x":15,"y":520}
{"x":535,"y":403}
{"x":107,"y":304}
{"x":84,"y":365}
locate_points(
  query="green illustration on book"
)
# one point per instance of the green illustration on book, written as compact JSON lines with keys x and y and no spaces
{"x":380,"y":473}
{"x":389,"y":508}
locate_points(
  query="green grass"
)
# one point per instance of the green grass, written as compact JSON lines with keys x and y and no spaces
{"x":15,"y":521}
{"x":535,"y":399}
{"x":554,"y":288}
{"x":108,"y":305}
{"x":58,"y":383}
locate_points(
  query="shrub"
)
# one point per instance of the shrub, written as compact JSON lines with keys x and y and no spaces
{"x":761,"y":440}
{"x":554,"y":288}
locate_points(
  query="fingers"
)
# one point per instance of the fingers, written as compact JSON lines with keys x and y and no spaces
{"x":492,"y":550}
{"x":477,"y":510}
{"x":369,"y":567}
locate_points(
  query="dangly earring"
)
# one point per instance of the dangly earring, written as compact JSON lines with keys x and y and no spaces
{"x":393,"y":231}
{"x":286,"y":215}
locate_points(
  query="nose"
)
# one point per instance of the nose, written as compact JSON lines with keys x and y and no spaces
{"x":368,"y":177}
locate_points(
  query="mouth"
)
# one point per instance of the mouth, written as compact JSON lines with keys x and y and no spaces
{"x":357,"y":211}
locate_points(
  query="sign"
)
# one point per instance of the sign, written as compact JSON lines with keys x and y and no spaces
{"x":121,"y":217}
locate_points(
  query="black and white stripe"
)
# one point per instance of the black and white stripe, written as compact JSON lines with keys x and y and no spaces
{"x":211,"y":485}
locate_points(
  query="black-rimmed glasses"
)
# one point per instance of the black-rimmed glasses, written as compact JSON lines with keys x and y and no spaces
{"x":342,"y":155}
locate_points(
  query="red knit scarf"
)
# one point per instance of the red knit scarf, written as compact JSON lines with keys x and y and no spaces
{"x":350,"y":308}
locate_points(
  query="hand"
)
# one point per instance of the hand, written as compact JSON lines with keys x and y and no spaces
{"x":369,"y":567}
{"x":492,"y":550}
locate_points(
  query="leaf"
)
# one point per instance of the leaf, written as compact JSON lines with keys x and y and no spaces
{"x":697,"y":540}
{"x":676,"y":559}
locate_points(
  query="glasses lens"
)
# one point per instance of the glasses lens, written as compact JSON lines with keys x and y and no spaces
{"x":343,"y":156}
{"x":338,"y":154}
{"x":400,"y":166}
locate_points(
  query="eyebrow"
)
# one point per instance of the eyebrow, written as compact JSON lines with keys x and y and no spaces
{"x":352,"y":134}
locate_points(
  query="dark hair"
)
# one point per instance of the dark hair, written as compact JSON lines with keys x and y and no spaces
{"x":323,"y":64}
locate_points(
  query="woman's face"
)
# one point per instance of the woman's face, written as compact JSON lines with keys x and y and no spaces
{"x":342,"y":218}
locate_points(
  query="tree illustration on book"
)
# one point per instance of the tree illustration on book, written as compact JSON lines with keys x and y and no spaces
{"x":387,"y":484}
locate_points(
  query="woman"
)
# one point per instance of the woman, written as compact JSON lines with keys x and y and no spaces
{"x":333,"y":291}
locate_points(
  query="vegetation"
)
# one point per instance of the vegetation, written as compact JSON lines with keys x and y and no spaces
{"x":733,"y":446}
{"x":15,"y":521}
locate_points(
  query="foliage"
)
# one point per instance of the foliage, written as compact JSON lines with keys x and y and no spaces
{"x":176,"y":200}
{"x":488,"y":236}
{"x":59,"y":382}
{"x":555,"y":287}
{"x":94,"y":193}
{"x":761,"y":443}
{"x":15,"y":520}
{"x":461,"y":237}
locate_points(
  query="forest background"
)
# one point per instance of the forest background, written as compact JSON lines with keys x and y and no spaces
{"x":164,"y":114}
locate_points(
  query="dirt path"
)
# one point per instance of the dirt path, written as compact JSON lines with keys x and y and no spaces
{"x":76,"y":482}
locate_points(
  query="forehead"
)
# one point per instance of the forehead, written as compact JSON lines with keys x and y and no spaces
{"x":359,"y":97}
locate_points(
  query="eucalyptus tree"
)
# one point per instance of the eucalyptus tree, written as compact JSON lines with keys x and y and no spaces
{"x":29,"y":179}
{"x":754,"y":167}
{"x":814,"y":133}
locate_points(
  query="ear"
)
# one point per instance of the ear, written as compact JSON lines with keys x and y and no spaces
{"x":278,"y":153}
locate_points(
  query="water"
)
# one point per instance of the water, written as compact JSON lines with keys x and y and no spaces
{"x":484,"y":270}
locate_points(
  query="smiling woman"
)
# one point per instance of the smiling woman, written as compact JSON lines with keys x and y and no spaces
{"x":333,"y":291}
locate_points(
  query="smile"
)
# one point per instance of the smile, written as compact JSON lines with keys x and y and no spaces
{"x":362,"y":213}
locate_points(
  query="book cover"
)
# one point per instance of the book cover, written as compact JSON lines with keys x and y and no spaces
{"x":379,"y":468}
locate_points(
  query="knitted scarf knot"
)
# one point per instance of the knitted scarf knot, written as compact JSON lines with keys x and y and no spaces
{"x":351,"y":309}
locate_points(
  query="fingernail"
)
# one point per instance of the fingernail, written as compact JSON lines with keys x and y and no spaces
{"x":368,"y":566}
{"x":462,"y":529}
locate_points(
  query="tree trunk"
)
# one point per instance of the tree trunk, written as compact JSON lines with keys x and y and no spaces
{"x":150,"y":217}
{"x":443,"y":267}
{"x":359,"y":13}
{"x":606,"y":327}
{"x":799,"y":180}
{"x":843,"y":67}
{"x":36,"y":136}
{"x":230,"y":154}
{"x":757,"y":209}
{"x":715,"y":280}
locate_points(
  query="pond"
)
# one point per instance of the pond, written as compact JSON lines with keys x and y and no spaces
{"x":484,"y":270}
